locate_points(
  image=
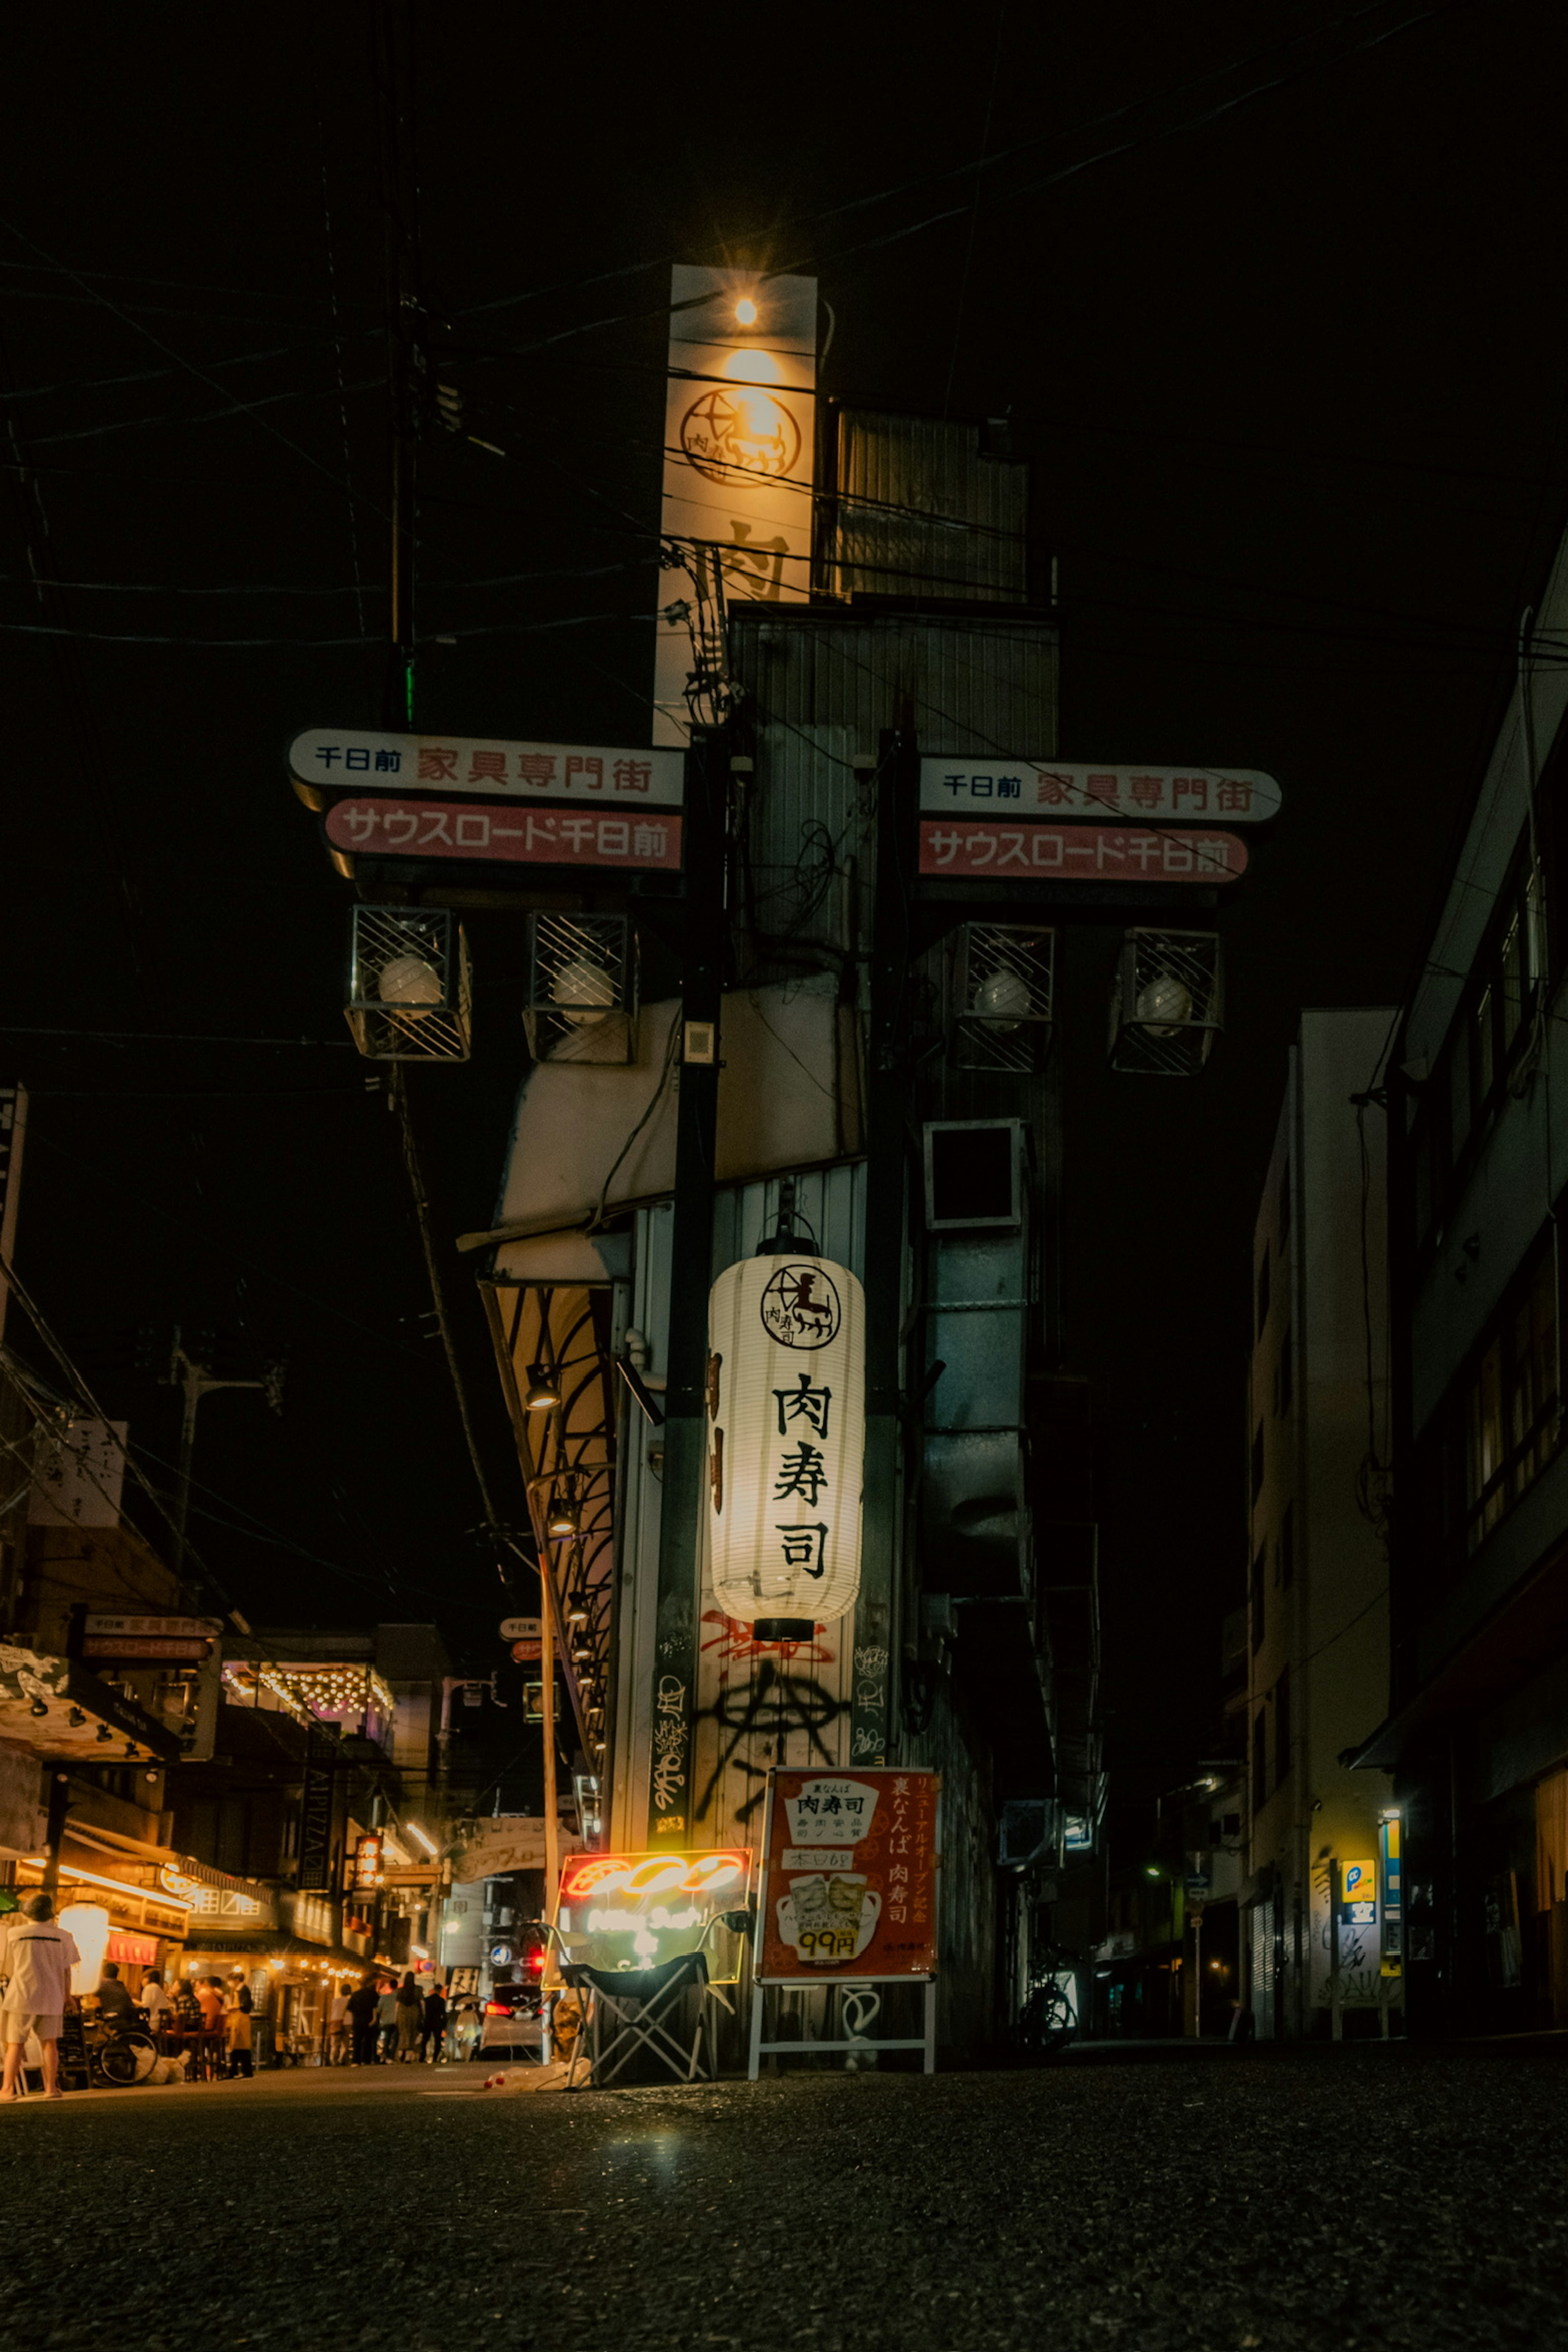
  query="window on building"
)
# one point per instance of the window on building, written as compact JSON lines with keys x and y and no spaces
{"x":1263,"y":1266}
{"x":1282,"y":1727}
{"x":1510,"y":1405}
{"x":1496,"y":1429}
{"x":1258,"y":1567}
{"x":1470,"y":1076}
{"x":1287,"y":1544}
{"x":1259,"y":1759}
{"x":1257,"y":1461}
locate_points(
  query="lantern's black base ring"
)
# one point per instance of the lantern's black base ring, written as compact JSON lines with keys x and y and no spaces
{"x":783,"y":1629}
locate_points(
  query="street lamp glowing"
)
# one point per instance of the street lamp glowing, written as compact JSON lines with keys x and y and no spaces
{"x":564,"y":1519}
{"x":543,"y":1394}
{"x":746,"y":312}
{"x":426,"y":1840}
{"x":410,"y":983}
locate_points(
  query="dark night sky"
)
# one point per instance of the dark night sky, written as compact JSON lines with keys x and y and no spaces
{"x":1292,"y":370}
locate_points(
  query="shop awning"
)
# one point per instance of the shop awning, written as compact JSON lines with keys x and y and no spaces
{"x":271,"y":1944}
{"x":1525,"y":1631}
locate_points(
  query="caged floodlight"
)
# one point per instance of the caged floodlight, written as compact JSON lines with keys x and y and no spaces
{"x":1167,"y":1004}
{"x":1002,"y":979}
{"x":582,"y":998}
{"x":409,"y":993}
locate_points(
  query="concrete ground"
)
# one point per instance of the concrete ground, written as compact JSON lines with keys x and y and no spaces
{"x":1366,"y":2195}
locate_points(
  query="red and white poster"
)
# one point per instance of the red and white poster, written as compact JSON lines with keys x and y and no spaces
{"x":848,"y":1875}
{"x":991,"y":851}
{"x":511,"y":836}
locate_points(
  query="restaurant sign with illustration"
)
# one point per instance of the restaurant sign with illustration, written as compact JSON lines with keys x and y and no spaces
{"x":848,"y":1875}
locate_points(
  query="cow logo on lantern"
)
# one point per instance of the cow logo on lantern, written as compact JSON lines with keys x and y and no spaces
{"x":787,"y":1425}
{"x":800,"y":1306}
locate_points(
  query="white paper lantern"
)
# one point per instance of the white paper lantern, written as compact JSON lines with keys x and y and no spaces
{"x":787,"y":1336}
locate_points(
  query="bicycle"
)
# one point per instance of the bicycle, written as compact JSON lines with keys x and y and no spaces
{"x":1048,"y":2020}
{"x":111,"y":2057}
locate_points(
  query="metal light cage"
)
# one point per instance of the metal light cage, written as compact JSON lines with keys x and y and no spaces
{"x":1167,"y":1005}
{"x":581,"y":1002}
{"x":410,"y":998}
{"x":1001,"y":999}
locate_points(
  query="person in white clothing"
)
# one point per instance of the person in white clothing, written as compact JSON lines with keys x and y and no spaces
{"x":154,"y":1998}
{"x":35,"y":1959}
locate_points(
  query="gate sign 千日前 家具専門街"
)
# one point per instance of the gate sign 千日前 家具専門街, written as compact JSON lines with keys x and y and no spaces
{"x":356,"y":759}
{"x":849,"y":1874}
{"x":984,"y":784}
{"x":786,"y":1408}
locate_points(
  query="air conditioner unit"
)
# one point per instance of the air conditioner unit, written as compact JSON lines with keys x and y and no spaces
{"x":410,"y":997}
{"x":1029,"y":1831}
{"x":1001,"y":996}
{"x":1167,"y":1004}
{"x":581,"y":1001}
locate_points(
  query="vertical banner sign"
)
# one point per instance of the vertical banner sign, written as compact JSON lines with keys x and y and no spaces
{"x":739,"y":454}
{"x":786,"y":1403}
{"x":316,"y":1825}
{"x":848,"y":1876}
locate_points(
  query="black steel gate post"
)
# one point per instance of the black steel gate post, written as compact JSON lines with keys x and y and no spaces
{"x":873,"y":1721}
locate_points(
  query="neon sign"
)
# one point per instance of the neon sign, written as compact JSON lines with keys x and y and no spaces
{"x":634,"y":1910}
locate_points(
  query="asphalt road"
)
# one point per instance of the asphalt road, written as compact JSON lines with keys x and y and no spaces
{"x":1225,"y":2200}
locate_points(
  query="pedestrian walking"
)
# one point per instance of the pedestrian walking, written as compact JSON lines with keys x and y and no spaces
{"x":387,"y":2019}
{"x":361,"y":2010}
{"x":340,"y":2025}
{"x":35,"y":1961}
{"x":409,"y":2013}
{"x":236,"y":2031}
{"x":433,"y":2025}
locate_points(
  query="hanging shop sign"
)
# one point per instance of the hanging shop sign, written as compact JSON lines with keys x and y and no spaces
{"x":521,"y":1629}
{"x":786,"y":1407}
{"x":367,"y":1862}
{"x":337,"y":758}
{"x":1358,"y":1893}
{"x":315,"y":1868}
{"x":504,"y":1843}
{"x":634,"y":1910}
{"x":986,"y":851}
{"x":385,"y":828}
{"x":738,"y":460}
{"x":848,"y":1885}
{"x":980,"y":784}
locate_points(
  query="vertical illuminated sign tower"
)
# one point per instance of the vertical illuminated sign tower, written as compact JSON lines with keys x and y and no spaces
{"x":740,"y":439}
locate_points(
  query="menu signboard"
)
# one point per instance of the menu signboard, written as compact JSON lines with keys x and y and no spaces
{"x":848,"y":1875}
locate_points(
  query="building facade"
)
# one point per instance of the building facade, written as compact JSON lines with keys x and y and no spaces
{"x":1321,"y":1961}
{"x":1478,"y":1735}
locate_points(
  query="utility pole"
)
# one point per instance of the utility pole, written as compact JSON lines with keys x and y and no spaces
{"x":197,"y":1381}
{"x":673,"y":1696}
{"x":406,"y":362}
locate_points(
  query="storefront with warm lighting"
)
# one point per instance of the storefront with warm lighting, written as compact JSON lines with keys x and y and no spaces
{"x":147,"y":1925}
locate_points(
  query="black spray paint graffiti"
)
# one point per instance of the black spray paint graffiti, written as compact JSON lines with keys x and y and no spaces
{"x":668,"y":1742}
{"x":771,"y":1704}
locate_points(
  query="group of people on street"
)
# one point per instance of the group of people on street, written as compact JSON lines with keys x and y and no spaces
{"x":382,"y":2022}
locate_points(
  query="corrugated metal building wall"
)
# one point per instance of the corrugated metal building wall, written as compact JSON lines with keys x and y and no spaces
{"x":921,"y":507}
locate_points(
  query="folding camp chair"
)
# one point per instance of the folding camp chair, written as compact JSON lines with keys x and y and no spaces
{"x":638,"y":2009}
